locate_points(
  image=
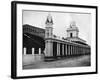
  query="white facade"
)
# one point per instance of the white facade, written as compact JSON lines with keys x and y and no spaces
{"x":49,"y":34}
{"x":74,"y":34}
{"x":73,"y":30}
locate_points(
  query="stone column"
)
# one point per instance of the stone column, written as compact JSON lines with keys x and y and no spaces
{"x":48,"y":48}
{"x":24,"y":51}
{"x":70,"y":49}
{"x":76,"y":50}
{"x":58,"y":49}
{"x":73,"y":50}
{"x":63,"y":49}
{"x":33,"y":51}
{"x":66,"y":50}
{"x":39,"y":51}
{"x":82,"y":50}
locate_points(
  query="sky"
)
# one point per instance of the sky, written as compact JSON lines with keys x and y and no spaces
{"x":61,"y":22}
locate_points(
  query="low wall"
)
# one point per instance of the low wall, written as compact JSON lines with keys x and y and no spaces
{"x":31,"y":59}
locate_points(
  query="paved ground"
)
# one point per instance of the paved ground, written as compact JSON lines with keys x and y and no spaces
{"x":76,"y":61}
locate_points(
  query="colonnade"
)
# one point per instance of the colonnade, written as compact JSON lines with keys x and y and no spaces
{"x":58,"y":49}
{"x":32,"y":51}
{"x":71,"y":49}
{"x":63,"y":49}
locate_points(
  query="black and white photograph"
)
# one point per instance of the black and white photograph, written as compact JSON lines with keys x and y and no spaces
{"x":56,"y":39}
{"x":53,"y":39}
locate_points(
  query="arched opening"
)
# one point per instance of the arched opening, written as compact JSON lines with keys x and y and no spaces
{"x":71,"y":35}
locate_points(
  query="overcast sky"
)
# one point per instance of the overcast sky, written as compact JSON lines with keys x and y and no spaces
{"x":61,"y":22}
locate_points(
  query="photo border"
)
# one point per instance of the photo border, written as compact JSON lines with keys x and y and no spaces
{"x":14,"y":38}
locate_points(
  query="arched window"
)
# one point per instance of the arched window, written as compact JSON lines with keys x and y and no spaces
{"x":71,"y":35}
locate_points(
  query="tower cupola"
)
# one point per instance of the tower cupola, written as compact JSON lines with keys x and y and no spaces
{"x":73,"y":30}
{"x":49,"y":27}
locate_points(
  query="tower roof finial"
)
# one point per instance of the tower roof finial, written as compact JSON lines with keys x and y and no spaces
{"x":49,"y":19}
